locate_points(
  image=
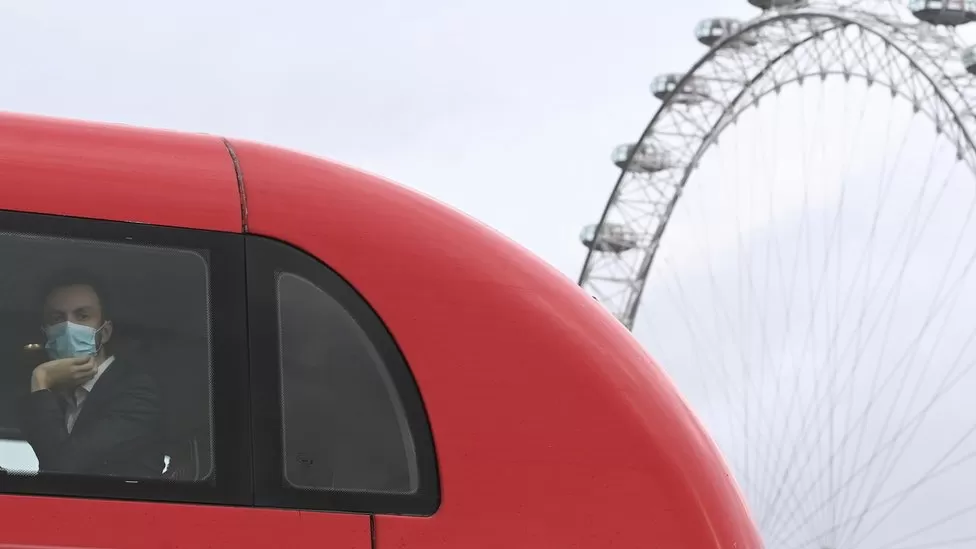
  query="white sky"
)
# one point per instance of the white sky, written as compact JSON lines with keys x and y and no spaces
{"x":502,"y":109}
{"x":507,"y":110}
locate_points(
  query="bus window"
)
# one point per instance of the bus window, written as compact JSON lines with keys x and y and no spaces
{"x":343,"y":424}
{"x":332,"y":387}
{"x":104,"y":359}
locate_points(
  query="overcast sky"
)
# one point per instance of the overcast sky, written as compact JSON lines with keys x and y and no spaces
{"x":502,"y":109}
{"x":507,"y":110}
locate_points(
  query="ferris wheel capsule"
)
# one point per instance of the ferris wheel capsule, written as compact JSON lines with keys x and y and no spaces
{"x":948,"y":13}
{"x":612,"y":237}
{"x":647,"y":159}
{"x":665,"y":87}
{"x":713,"y":30}
{"x":776,"y":4}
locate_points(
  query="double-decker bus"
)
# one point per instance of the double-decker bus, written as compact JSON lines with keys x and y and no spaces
{"x":208,"y":342}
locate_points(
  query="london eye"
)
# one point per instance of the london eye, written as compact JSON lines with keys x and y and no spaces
{"x":797,"y":226}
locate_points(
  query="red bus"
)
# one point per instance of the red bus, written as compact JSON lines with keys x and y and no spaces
{"x":208,"y":342}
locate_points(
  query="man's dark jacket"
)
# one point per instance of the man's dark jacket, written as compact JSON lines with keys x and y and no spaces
{"x":118,"y":431}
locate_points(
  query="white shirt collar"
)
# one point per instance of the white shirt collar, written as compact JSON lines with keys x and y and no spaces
{"x":87,"y":386}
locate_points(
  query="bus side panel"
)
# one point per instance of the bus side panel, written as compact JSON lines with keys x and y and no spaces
{"x":38,"y":522}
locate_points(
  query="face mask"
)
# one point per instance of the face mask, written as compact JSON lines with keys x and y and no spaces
{"x":68,"y":340}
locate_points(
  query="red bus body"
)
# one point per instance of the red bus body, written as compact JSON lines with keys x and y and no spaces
{"x":558,"y":430}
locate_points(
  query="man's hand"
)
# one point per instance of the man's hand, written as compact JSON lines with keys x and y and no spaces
{"x":64,"y":372}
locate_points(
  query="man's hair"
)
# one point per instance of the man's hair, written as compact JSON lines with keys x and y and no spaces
{"x":75,"y":277}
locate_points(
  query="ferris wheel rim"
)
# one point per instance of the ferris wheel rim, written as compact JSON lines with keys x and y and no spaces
{"x":864,"y":21}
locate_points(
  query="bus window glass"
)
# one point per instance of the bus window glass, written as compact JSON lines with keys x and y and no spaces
{"x":104,"y":359}
{"x":344,"y":427}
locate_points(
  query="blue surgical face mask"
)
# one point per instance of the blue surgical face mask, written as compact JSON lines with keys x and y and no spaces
{"x":68,"y":340}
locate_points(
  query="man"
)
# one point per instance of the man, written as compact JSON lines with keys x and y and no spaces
{"x":88,"y":413}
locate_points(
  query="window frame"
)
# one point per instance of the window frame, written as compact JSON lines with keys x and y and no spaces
{"x":266,"y":259}
{"x":230,"y":482}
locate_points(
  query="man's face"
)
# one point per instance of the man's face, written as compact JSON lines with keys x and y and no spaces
{"x":78,"y":304}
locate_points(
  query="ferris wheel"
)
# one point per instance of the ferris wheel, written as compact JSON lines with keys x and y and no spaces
{"x":822,"y":324}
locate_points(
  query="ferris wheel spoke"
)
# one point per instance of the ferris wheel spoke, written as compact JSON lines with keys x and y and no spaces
{"x":815,"y":452}
{"x":750,"y":306}
{"x":934,"y":544}
{"x":933,"y":473}
{"x":818,"y":401}
{"x":763,"y":462}
{"x":684,"y":305}
{"x":830,"y":319}
{"x":946,"y":384}
{"x":881,"y":199}
{"x":942,"y":543}
{"x":864,"y":468}
{"x":907,"y":492}
{"x":814,"y":298}
{"x":745,"y":294}
{"x":779,"y":442}
{"x":704,"y":247}
{"x":904,"y":266}
{"x":857,"y":362}
{"x":924,"y":367}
